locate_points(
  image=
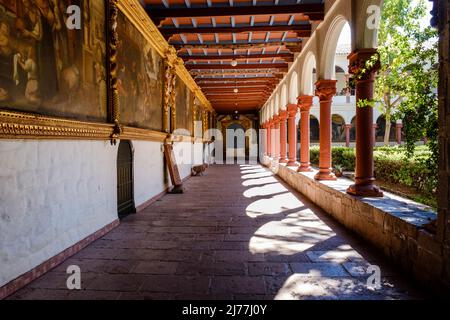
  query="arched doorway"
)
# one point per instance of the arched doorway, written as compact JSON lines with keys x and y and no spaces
{"x":314,"y":129}
{"x":353,"y":130}
{"x":338,"y":128}
{"x":381,"y":129}
{"x":237,"y":146}
{"x":125,"y":183}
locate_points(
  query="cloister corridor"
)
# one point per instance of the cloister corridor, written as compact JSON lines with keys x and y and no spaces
{"x":237,"y":232}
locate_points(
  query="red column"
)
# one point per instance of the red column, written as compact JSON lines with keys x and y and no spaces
{"x":364,"y":175}
{"x":347,"y":135}
{"x":292,"y":112}
{"x":325,"y":90}
{"x":276,"y":127}
{"x":399,"y":127}
{"x":305,"y":104}
{"x":283,"y":116}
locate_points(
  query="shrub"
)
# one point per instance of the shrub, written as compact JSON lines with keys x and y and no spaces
{"x":391,"y":165}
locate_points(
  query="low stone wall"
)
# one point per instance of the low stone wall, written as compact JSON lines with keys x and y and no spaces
{"x":392,"y":224}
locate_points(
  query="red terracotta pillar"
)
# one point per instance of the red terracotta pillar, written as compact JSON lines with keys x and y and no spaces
{"x":347,"y":135}
{"x":305,"y":104}
{"x":398,"y":132}
{"x":364,"y":176}
{"x":292,"y":113}
{"x":325,"y":90}
{"x":276,"y":128}
{"x":283,"y":116}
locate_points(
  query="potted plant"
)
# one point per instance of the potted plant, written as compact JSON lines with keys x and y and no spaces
{"x":338,"y":170}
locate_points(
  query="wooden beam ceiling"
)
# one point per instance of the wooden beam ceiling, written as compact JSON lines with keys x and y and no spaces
{"x":245,"y":66}
{"x":313,"y":11}
{"x":303,"y":30}
{"x":235,"y":44}
{"x":286,"y":56}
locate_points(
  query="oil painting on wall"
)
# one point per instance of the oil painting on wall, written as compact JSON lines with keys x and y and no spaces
{"x":49,"y":68}
{"x":140,"y":67}
{"x":184,"y":101}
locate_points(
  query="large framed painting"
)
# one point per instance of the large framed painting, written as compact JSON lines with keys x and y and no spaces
{"x":51,"y":69}
{"x":140,"y":71}
{"x":184,"y":102}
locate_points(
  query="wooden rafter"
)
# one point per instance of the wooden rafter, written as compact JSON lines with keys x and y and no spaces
{"x":313,"y":11}
{"x":302,"y":30}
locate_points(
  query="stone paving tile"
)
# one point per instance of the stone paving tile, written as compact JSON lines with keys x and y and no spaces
{"x":238,"y":284}
{"x":319,"y":269}
{"x":236,"y":233}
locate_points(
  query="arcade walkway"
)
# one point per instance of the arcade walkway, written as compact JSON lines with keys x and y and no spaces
{"x":236,"y":233}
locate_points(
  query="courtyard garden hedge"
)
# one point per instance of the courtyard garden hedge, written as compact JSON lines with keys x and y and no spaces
{"x":391,"y":165}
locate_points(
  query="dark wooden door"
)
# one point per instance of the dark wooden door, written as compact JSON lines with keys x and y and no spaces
{"x":125,"y":198}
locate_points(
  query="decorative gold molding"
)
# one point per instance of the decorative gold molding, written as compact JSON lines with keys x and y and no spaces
{"x":139,"y":18}
{"x":131,"y":133}
{"x":17,"y":125}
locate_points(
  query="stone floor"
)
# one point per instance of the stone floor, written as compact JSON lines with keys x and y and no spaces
{"x":236,"y":233}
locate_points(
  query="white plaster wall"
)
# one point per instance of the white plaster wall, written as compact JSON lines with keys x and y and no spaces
{"x":52,"y":195}
{"x":187,"y":154}
{"x":149,"y":169}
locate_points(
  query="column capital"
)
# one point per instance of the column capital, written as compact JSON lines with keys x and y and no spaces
{"x":326,"y":89}
{"x":282,"y":115}
{"x":305,"y":103}
{"x":292,"y":110}
{"x":364,"y":59}
{"x":275,"y":119}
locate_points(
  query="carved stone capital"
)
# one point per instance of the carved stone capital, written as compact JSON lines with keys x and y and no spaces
{"x":358,"y":66}
{"x":292,"y":110}
{"x":305,"y":103}
{"x":282,"y":115}
{"x":326,"y":89}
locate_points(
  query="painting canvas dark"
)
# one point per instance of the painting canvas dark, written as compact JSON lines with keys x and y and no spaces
{"x":49,"y":68}
{"x":140,"y":67}
{"x":184,"y":100}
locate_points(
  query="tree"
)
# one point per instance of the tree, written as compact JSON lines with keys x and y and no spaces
{"x":406,"y":84}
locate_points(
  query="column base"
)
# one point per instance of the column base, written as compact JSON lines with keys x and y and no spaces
{"x":292,"y":164}
{"x":325,"y":176}
{"x":283,"y":160}
{"x":368,"y":190}
{"x":305,"y":168}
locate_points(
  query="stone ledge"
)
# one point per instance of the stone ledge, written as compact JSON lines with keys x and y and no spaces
{"x":393,"y":224}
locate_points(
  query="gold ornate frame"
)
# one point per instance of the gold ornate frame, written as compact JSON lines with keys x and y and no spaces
{"x":22,"y":125}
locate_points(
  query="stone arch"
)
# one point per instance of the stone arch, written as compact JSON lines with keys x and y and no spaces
{"x":327,"y":62}
{"x":271,"y":109}
{"x":276,"y":103}
{"x":293,"y":88}
{"x":307,"y":82}
{"x":283,"y":97}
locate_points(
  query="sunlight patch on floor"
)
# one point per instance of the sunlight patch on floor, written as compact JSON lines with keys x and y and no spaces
{"x":266,"y":190}
{"x":274,"y":205}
